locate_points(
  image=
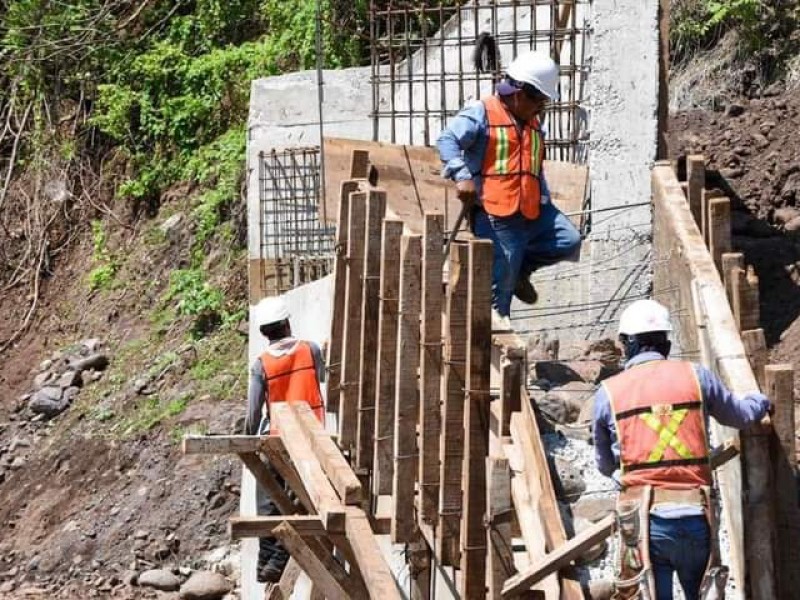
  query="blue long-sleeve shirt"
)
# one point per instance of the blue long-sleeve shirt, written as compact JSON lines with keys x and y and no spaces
{"x":462,"y":147}
{"x":726,"y":407}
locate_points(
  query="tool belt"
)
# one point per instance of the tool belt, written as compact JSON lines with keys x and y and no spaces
{"x":635,"y":580}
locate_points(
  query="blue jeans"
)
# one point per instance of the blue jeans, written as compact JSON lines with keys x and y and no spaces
{"x":679,"y":545}
{"x":521,"y":246}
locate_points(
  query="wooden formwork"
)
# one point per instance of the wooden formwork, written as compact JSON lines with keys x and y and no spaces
{"x":715,"y":296}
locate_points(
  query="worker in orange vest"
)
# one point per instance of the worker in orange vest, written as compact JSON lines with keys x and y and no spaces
{"x":494,"y":151}
{"x":651,"y":435}
{"x":289,"y":370}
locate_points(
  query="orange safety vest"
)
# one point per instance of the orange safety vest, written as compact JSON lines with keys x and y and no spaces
{"x":658,"y":410}
{"x":512,"y":164}
{"x":292,"y":377}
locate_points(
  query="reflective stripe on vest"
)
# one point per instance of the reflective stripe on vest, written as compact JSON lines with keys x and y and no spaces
{"x":660,"y":423}
{"x":512,"y":164}
{"x":292,"y":377}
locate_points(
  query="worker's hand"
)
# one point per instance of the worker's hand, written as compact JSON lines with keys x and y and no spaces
{"x":465,"y":190}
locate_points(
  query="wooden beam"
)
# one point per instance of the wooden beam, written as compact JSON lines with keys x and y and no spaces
{"x":359,"y":164}
{"x":431,"y":367}
{"x":719,"y":233}
{"x":330,"y":458}
{"x":561,"y":557}
{"x":305,"y":460}
{"x":418,"y":557}
{"x":220,"y":444}
{"x":324,"y":571}
{"x":268,"y":482}
{"x":755,"y":346}
{"x":275,"y":452}
{"x":745,"y":299}
{"x":731,"y":262}
{"x":336,"y":343}
{"x":726,"y":451}
{"x":258,"y":526}
{"x":696,"y":180}
{"x":454,"y":378}
{"x":706,"y":196}
{"x":407,"y":399}
{"x":779,"y":387}
{"x":284,"y":589}
{"x":351,"y":353}
{"x":377,"y":576}
{"x":370,"y":310}
{"x":387,"y":357}
{"x":499,"y":517}
{"x":476,"y":417}
{"x":511,"y":378}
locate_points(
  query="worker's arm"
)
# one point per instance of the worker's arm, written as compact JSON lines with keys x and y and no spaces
{"x":728,"y":408}
{"x":319,"y":361}
{"x":545,"y":189}
{"x":256,"y":398}
{"x":605,"y":437}
{"x":457,"y":139}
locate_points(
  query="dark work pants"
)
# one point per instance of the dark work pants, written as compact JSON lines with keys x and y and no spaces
{"x":682,"y":546}
{"x":269,"y":549}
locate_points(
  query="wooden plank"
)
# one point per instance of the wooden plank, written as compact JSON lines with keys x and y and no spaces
{"x":268,"y":482}
{"x":499,"y":517}
{"x":258,"y":526}
{"x":779,"y":387}
{"x":359,"y":164}
{"x":324,"y":571}
{"x":336,"y":344}
{"x":731,"y":261}
{"x":755,"y":346}
{"x":719,"y":234}
{"x":220,"y":444}
{"x":476,"y":418}
{"x":351,"y":350}
{"x":377,"y":576}
{"x":387,"y":357}
{"x":726,"y":451}
{"x":746,"y":299}
{"x":411,"y":176}
{"x":430,"y":424}
{"x":454,"y":378}
{"x":275,"y":452}
{"x":706,"y":196}
{"x":330,"y":458}
{"x":407,"y":399}
{"x":418,"y":557}
{"x":284,"y":589}
{"x":529,"y":519}
{"x":370,"y":311}
{"x":305,"y":460}
{"x":696,"y":179}
{"x":511,"y":377}
{"x":561,"y":557}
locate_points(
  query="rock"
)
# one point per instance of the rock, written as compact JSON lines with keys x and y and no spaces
{"x":542,"y":347}
{"x":17,"y":463}
{"x":593,"y":508}
{"x":70,"y":378}
{"x":18,"y":442}
{"x":47,"y":402}
{"x":42,"y":379}
{"x":786,"y":214}
{"x":71,"y":393}
{"x":97,"y":361}
{"x":596,"y":551}
{"x":92,"y":344}
{"x":793,"y":225}
{"x":171,"y":227}
{"x":131,"y":578}
{"x":555,"y":372}
{"x":586,"y":415}
{"x":140,"y":534}
{"x":45,"y":364}
{"x":734,"y":110}
{"x":760,"y":140}
{"x":160,"y":579}
{"x":601,"y":589}
{"x":205,"y":585}
{"x":564,"y":404}
{"x":569,"y":478}
{"x":8,"y":587}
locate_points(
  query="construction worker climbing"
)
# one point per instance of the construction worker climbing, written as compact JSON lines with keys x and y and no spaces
{"x":494,"y":151}
{"x":289,"y":370}
{"x":651,"y":424}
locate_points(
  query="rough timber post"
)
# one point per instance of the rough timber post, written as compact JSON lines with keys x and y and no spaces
{"x":696,"y":179}
{"x":370,"y":311}
{"x":351,"y":354}
{"x":407,"y":399}
{"x":431,"y":367}
{"x":476,"y":418}
{"x":387,"y":358}
{"x":719,"y":232}
{"x":499,"y":538}
{"x":334,"y":360}
{"x":453,"y":385}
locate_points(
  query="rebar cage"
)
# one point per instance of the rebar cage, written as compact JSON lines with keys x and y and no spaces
{"x":295,"y":247}
{"x":424,"y":71}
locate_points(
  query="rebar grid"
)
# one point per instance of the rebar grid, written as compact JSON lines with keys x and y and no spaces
{"x":292,"y":237}
{"x":423,"y":74}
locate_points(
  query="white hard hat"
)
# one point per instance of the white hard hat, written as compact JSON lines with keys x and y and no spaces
{"x":271,"y":310}
{"x":644,"y":316}
{"x":538,"y":70}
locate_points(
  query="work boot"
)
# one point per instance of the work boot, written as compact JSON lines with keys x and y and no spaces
{"x":525,"y":291}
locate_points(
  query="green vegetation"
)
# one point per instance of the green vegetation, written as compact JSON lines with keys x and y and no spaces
{"x":101,"y":277}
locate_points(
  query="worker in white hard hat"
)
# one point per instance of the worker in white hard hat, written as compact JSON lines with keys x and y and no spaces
{"x":651,"y":435}
{"x":494,"y":151}
{"x":289,"y":370}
